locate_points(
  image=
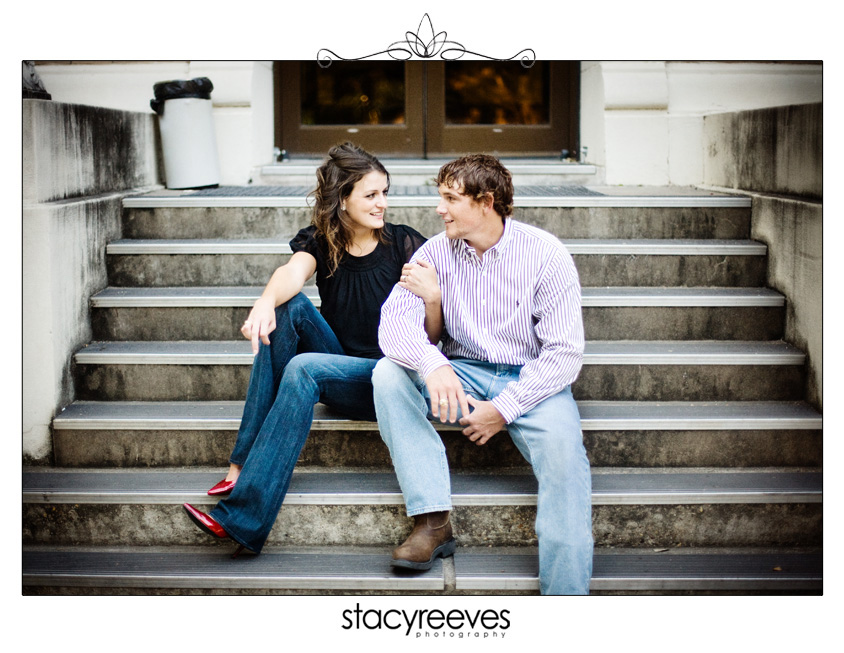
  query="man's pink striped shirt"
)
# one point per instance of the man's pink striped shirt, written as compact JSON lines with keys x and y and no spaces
{"x":518,"y":305}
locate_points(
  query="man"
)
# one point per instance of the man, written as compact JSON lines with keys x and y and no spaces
{"x":514,"y":344}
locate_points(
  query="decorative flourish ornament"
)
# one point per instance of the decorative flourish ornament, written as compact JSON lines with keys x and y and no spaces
{"x":426,"y":44}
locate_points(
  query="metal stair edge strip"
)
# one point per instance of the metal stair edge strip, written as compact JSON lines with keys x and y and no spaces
{"x":609,"y":487}
{"x":643,"y":247}
{"x":396,"y":201}
{"x":610,"y":352}
{"x":635,"y":570}
{"x":595,"y":415}
{"x":208,"y":569}
{"x":245,"y":296}
{"x":620,"y":570}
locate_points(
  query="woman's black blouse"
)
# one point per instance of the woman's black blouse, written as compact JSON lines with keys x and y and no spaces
{"x":353,"y":295}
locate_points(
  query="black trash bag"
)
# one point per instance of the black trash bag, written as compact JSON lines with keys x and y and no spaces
{"x":199,"y":87}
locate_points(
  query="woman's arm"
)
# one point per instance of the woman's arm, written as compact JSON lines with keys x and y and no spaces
{"x":420,"y":278}
{"x":285,"y":283}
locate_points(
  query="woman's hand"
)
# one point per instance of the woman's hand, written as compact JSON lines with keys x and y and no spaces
{"x":420,"y":278}
{"x":260,"y":323}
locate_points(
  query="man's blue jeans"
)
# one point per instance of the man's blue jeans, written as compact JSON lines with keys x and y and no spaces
{"x":549,"y":437}
{"x":284,"y":385}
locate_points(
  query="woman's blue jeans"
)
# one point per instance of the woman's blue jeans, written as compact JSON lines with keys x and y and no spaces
{"x":548,"y":436}
{"x":303,"y":364}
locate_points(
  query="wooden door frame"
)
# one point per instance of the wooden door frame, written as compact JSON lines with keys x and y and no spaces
{"x":424,"y":133}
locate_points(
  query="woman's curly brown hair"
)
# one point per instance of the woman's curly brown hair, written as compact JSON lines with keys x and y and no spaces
{"x":346,"y":165}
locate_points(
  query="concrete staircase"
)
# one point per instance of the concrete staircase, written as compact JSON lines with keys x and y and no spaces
{"x":706,"y":460}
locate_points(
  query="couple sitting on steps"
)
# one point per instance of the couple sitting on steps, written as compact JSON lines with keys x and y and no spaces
{"x":502,"y":298}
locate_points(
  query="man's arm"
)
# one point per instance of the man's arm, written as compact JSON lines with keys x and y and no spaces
{"x":560,"y":331}
{"x":402,"y":336}
{"x":404,"y":340}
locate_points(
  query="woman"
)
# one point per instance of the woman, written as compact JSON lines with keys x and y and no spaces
{"x":303,"y":356}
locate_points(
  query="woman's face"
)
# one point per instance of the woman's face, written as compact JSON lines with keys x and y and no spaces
{"x":367,"y":203}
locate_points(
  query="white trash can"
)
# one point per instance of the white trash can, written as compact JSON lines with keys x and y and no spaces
{"x":187,"y":133}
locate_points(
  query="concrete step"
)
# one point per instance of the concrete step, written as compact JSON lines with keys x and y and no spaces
{"x":710,"y":507}
{"x":613,"y":370}
{"x":618,"y":313}
{"x":607,"y":212}
{"x":326,"y":570}
{"x":621,"y":434}
{"x":302,"y":172}
{"x":181,"y":262}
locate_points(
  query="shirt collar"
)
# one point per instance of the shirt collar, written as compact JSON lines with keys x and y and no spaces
{"x":506,"y":237}
{"x":495,"y":251}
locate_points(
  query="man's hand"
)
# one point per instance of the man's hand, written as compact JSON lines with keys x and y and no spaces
{"x":483,"y":422}
{"x":447,"y":394}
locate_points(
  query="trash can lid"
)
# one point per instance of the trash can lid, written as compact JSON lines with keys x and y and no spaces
{"x":199,"y":87}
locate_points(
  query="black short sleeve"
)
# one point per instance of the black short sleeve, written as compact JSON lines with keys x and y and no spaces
{"x":305,"y":241}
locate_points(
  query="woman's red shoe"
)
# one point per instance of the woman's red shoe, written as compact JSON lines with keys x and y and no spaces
{"x":222,"y":488}
{"x":207,"y":524}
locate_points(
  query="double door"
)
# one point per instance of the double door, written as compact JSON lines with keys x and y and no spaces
{"x":427,"y":109}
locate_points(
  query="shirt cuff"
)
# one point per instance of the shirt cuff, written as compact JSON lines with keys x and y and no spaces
{"x":507,"y":406}
{"x":432,"y":361}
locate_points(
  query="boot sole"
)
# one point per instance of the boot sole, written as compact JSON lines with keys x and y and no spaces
{"x":444,"y":550}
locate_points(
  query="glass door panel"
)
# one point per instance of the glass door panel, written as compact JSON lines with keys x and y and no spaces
{"x":376,"y":104}
{"x":353,"y":93}
{"x":501,"y":107}
{"x":489,"y":93}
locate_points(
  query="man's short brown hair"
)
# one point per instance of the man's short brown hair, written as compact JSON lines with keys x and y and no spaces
{"x":480,"y":175}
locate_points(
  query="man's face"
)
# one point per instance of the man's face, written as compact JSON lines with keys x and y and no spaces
{"x":463,"y":216}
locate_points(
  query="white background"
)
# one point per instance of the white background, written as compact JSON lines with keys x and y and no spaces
{"x":646,"y":29}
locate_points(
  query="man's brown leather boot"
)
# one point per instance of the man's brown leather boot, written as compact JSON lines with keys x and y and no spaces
{"x":431,"y":537}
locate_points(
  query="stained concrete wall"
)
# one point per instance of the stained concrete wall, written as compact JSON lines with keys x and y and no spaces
{"x":778,"y":150}
{"x":777,"y":156}
{"x":78,"y":164}
{"x":793,"y":231}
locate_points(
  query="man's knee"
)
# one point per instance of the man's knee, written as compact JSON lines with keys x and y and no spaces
{"x":388,"y":374}
{"x":554,"y":435}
